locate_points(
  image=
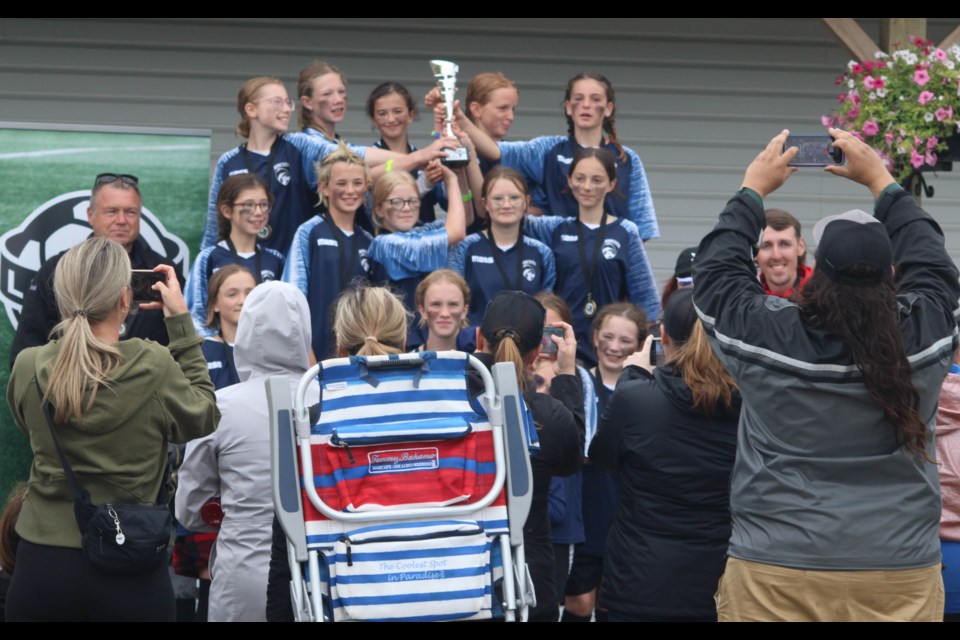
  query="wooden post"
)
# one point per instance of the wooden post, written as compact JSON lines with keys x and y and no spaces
{"x":897,"y":31}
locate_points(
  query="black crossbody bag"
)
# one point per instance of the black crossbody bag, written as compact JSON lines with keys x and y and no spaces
{"x":120,"y":539}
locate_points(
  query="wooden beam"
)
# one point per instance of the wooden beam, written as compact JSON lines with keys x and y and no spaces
{"x":952,"y":39}
{"x":897,"y":31}
{"x":852,"y":36}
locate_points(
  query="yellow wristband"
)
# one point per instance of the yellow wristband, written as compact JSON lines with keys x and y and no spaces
{"x":467,"y":197}
{"x":389,"y":166}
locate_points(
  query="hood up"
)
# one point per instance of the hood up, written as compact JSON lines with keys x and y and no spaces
{"x":273,"y":334}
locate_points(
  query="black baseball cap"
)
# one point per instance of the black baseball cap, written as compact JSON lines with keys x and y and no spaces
{"x":853,"y":239}
{"x":516,"y":314}
{"x":679,"y":316}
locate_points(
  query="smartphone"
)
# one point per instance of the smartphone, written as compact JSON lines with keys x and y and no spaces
{"x":814,"y":150}
{"x":656,"y":352}
{"x":548,"y":346}
{"x":142,"y":281}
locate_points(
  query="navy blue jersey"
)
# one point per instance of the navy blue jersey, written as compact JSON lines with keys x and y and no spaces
{"x":211,"y":260}
{"x":474,"y":260}
{"x":622,"y":271}
{"x":545,"y":164}
{"x":313,"y":266}
{"x":287,"y":174}
{"x":219,"y":357}
{"x":402,"y":260}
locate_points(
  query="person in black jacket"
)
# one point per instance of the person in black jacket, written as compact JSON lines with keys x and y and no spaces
{"x":511,"y":331}
{"x":114,"y":213}
{"x":671,"y":438}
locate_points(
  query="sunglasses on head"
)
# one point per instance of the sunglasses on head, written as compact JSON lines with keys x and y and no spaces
{"x":125,"y":178}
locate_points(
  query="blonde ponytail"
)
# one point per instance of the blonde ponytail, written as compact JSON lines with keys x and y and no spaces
{"x":88,"y":282}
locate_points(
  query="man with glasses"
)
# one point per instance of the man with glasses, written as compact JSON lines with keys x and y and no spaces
{"x":114,"y":213}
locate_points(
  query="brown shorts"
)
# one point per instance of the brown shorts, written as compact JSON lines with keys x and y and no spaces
{"x":751,"y":591}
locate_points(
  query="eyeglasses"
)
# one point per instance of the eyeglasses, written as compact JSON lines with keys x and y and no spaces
{"x":400,"y":203}
{"x":110,"y":178}
{"x":278,"y":102}
{"x":500,"y":202}
{"x":246,"y":208}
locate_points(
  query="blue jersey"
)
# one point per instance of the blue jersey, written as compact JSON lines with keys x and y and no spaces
{"x":314,"y":266}
{"x":527,"y":266}
{"x":211,"y":260}
{"x":404,"y":259}
{"x":219,"y":357}
{"x":545,"y":164}
{"x":287,"y":174}
{"x":622,"y":271}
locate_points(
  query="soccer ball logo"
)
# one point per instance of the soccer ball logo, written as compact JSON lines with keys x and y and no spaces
{"x":54,"y":227}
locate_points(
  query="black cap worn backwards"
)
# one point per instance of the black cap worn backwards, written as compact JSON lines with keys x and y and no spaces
{"x":514,"y":314}
{"x":853,"y":239}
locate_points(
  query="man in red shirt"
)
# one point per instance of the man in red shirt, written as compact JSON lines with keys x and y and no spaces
{"x":782,"y":255}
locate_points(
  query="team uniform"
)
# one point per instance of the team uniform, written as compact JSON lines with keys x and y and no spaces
{"x":621,"y":271}
{"x":404,"y":259}
{"x":322,"y":262}
{"x":545,"y":164}
{"x":288,"y":175}
{"x":265,"y":264}
{"x":526,"y":266}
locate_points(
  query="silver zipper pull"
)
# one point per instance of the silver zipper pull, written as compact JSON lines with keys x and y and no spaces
{"x":116,"y":521}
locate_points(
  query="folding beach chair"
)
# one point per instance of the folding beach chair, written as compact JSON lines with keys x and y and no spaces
{"x":404,"y":499}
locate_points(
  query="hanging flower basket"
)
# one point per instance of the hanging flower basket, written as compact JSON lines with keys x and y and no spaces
{"x":906,"y":105}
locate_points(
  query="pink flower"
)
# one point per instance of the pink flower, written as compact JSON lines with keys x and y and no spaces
{"x":925,"y":96}
{"x":943,"y":114}
{"x":902,"y":132}
{"x":870,"y":128}
{"x":921,"y":77}
{"x":852,"y":114}
{"x":916,"y":159}
{"x":838,"y":81}
{"x":888,"y":136}
{"x":857,"y":69}
{"x":940,"y":55}
{"x":917,"y":140}
{"x":868,"y":66}
{"x":869,"y":83}
{"x":931,"y":158}
{"x":932,"y":142}
{"x":880,"y":64}
{"x":878,"y":83}
{"x":828,"y":122}
{"x":842,"y":97}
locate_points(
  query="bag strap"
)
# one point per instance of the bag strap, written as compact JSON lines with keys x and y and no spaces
{"x":78,"y":491}
{"x":72,"y":480}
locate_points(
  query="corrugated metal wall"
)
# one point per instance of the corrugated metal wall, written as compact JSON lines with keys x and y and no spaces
{"x":696,"y":97}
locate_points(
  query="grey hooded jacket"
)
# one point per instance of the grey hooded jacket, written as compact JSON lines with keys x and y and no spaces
{"x":273,"y":337}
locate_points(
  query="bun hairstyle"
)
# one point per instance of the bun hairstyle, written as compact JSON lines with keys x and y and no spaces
{"x":89,"y":282}
{"x":248,"y":93}
{"x":370,"y":321}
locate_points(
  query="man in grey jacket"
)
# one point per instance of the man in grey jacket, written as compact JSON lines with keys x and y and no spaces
{"x":835,"y":499}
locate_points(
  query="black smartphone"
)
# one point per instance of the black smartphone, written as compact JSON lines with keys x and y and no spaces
{"x":142,"y":281}
{"x":547,"y":346}
{"x":814,"y":150}
{"x":656,"y":352}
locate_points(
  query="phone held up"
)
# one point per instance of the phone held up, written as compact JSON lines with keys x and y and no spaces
{"x":142,"y":281}
{"x":814,"y":150}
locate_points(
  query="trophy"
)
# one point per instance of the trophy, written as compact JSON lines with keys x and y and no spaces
{"x":446,"y":74}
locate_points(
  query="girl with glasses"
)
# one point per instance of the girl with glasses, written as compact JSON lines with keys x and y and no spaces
{"x":403,"y":253}
{"x":265,"y":111}
{"x":244,"y":205}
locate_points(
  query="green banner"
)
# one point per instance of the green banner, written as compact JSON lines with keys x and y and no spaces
{"x":47,"y":172}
